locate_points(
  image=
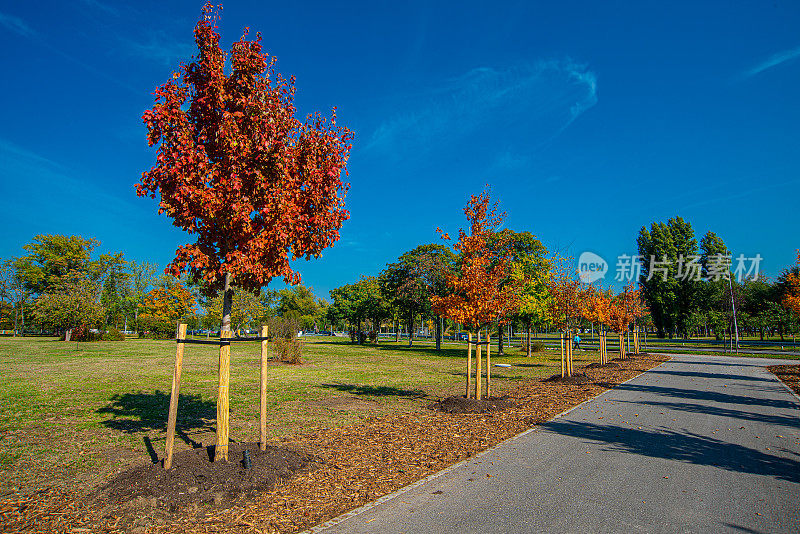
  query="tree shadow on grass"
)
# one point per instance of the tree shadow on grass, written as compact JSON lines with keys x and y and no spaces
{"x":376,"y":391}
{"x":446,"y":352}
{"x":681,"y":446}
{"x":142,"y":412}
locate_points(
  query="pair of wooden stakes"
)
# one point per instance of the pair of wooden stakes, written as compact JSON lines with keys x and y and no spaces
{"x":223,"y":410}
{"x":478,"y":344}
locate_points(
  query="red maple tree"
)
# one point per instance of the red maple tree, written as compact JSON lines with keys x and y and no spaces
{"x":235,"y":167}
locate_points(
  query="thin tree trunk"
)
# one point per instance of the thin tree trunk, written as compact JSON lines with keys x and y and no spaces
{"x":410,"y":331}
{"x":439,"y":334}
{"x":500,"y":340}
{"x":528,"y":343}
{"x":227,"y":303}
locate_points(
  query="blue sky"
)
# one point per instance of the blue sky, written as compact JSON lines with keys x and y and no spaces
{"x":588,"y":119}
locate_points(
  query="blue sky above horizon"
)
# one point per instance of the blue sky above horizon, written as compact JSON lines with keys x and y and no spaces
{"x":588,"y":119}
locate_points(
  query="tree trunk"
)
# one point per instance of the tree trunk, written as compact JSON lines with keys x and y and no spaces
{"x":227,"y":303}
{"x":438,"y":333}
{"x":410,"y":331}
{"x":500,"y":340}
{"x":528,"y":343}
{"x":68,"y":334}
{"x":397,"y":332}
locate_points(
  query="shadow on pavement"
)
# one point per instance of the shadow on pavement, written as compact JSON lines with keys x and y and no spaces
{"x":685,"y":447}
{"x":699,"y":374}
{"x":772,"y":419}
{"x":712,"y":396}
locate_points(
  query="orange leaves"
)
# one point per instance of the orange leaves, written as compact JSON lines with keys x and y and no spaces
{"x":567,"y":295}
{"x":235,"y":167}
{"x":482,"y":291}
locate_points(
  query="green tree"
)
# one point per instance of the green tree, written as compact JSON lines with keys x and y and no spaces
{"x":409,"y":283}
{"x":299,"y":304}
{"x":529,"y":266}
{"x":54,"y":259}
{"x":72,"y":304}
{"x":668,"y":279}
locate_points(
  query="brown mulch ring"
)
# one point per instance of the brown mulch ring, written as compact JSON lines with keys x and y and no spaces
{"x":195,"y":479}
{"x":598,"y":365}
{"x":789,"y":374}
{"x":460,"y":404}
{"x":575,"y":380}
{"x":356,"y":464}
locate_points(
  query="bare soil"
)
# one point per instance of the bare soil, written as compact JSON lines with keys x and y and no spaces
{"x":461,"y":404}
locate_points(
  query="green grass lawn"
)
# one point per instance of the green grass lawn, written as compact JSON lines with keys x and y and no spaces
{"x":78,"y":412}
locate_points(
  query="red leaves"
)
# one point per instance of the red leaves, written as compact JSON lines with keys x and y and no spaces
{"x":481,"y":292}
{"x":235,"y":166}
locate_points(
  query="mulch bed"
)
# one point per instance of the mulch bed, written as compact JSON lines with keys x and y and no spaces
{"x":460,"y":404}
{"x":357,"y":464}
{"x":575,"y":380}
{"x":597,"y":365}
{"x":789,"y":374}
{"x":195,"y":479}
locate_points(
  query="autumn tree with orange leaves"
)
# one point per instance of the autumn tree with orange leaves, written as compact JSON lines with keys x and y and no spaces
{"x":624,"y":310}
{"x":482,"y":291}
{"x":566,"y":307}
{"x":236,"y":168}
{"x":597,"y":309}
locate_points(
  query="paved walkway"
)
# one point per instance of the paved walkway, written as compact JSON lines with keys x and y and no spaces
{"x":698,"y":444}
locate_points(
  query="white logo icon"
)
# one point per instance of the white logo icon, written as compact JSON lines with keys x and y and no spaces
{"x":591,"y":267}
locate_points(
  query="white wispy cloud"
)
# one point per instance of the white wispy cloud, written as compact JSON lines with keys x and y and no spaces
{"x":542,"y":99}
{"x":160,"y":48}
{"x":773,"y":61}
{"x":16,"y":25}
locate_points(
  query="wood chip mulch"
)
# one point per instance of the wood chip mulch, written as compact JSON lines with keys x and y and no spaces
{"x":789,"y":374}
{"x":360,"y":463}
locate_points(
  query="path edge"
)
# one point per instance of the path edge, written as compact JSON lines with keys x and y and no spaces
{"x":433,"y":476}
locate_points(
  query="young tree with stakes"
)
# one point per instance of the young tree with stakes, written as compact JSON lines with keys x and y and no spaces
{"x":482,"y":291}
{"x":235,"y":167}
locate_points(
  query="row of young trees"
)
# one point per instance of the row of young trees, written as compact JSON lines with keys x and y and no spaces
{"x":491,"y":278}
{"x":690,"y":289}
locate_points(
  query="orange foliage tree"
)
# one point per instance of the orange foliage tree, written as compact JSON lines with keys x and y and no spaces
{"x":164,"y":305}
{"x":566,"y":305}
{"x":482,"y":291}
{"x":236,"y":168}
{"x":597,"y":309}
{"x":623,"y":311}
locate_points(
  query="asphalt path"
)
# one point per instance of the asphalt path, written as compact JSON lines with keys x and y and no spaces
{"x":698,"y":444}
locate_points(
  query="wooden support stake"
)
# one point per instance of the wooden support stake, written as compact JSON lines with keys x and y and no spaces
{"x":568,"y":343}
{"x":223,"y":411}
{"x":563,"y":361}
{"x":262,"y":427}
{"x":173,"y":397}
{"x":478,"y":387}
{"x":469,"y":364}
{"x":488,"y":364}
